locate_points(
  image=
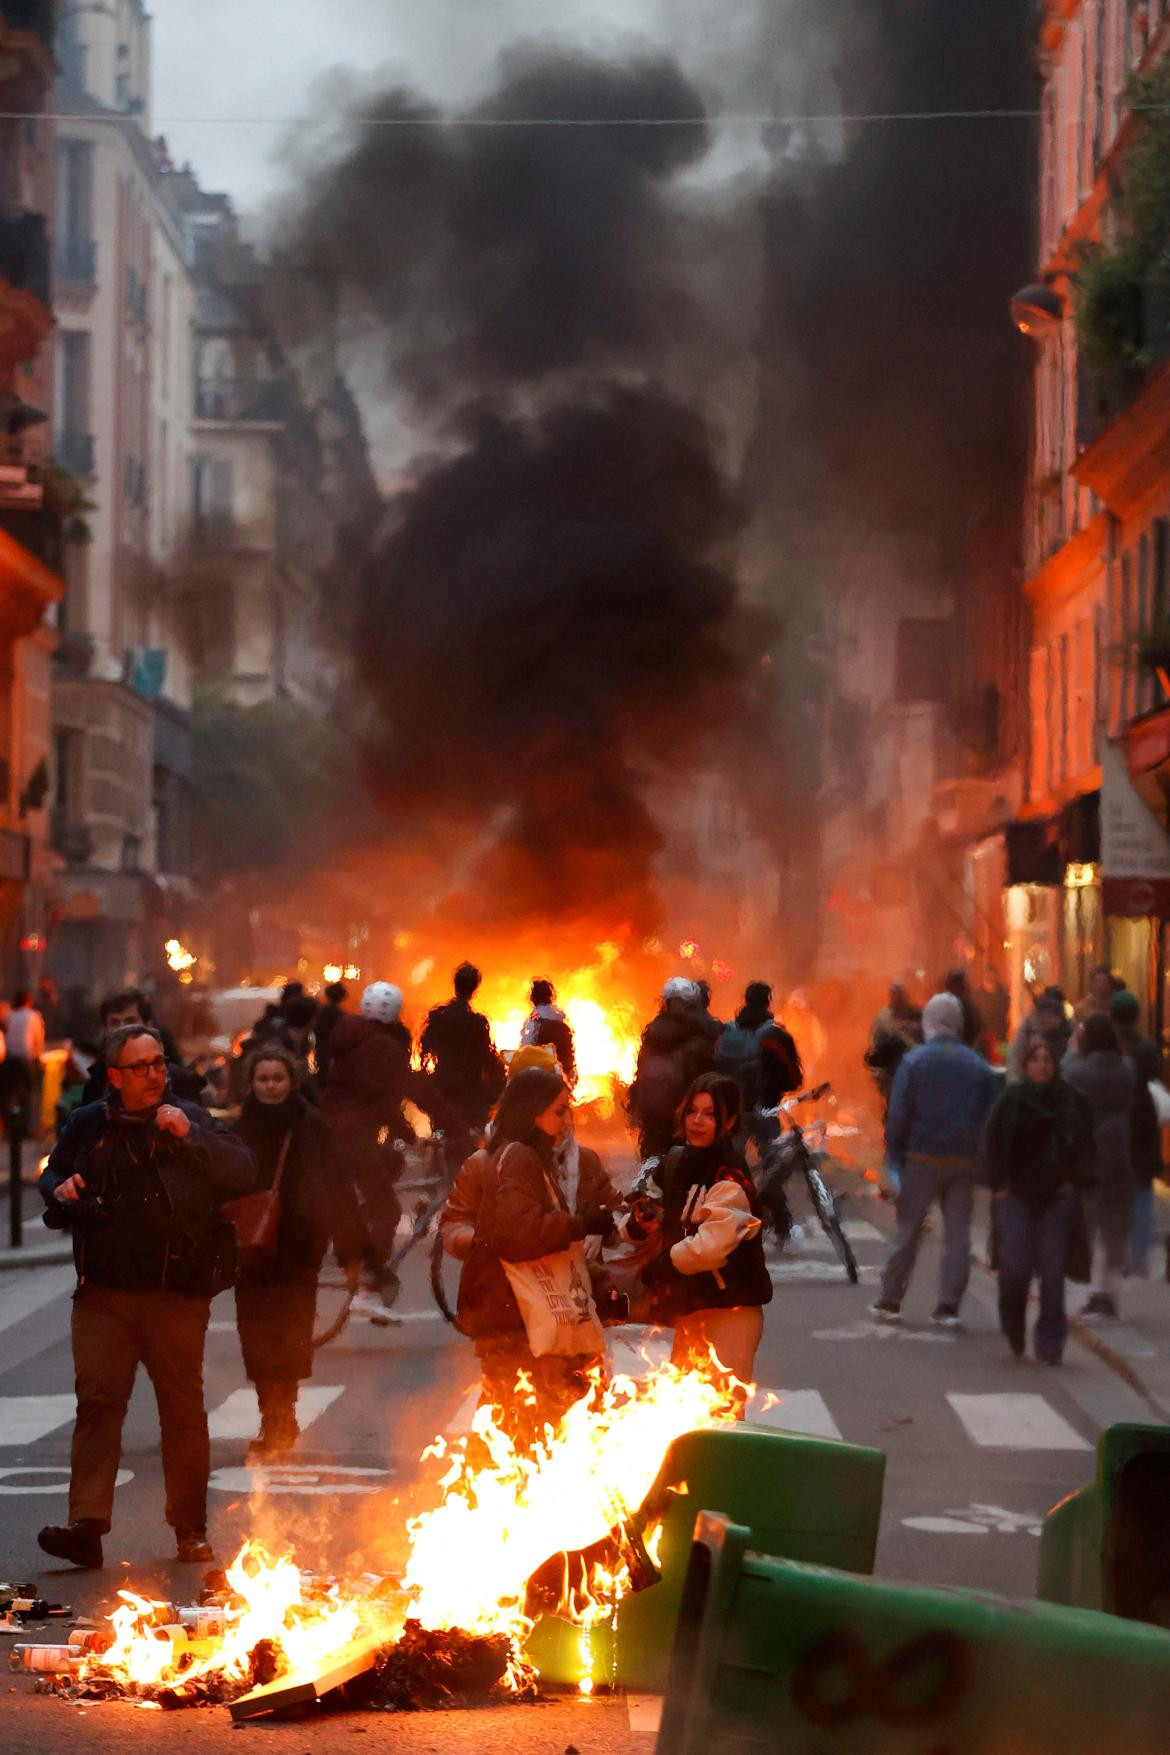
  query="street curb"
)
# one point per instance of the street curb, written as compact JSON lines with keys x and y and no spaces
{"x":1117,"y":1362}
{"x":54,"y":1256}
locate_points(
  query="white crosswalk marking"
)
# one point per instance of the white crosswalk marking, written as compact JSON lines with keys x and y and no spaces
{"x":1015,"y":1422}
{"x":25,"y":1418}
{"x":239,"y":1415}
{"x":30,"y":1290}
{"x":797,"y":1410}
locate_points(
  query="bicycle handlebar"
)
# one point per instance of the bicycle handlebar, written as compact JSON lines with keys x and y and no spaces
{"x":790,"y":1103}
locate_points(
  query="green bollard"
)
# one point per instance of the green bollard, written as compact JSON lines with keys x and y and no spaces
{"x":774,"y":1655}
{"x":807,"y":1498}
{"x":1107,"y":1546}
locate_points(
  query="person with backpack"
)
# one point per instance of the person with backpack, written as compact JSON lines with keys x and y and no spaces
{"x":548,"y":1027}
{"x":763,"y":1059}
{"x":710,"y":1279}
{"x":139,"y":1179}
{"x":674,"y":1050}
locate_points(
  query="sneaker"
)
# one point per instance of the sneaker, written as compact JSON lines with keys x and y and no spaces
{"x":1100,"y":1308}
{"x":885,"y":1312}
{"x":80,"y":1543}
{"x":370,"y":1305}
{"x":193,"y":1547}
{"x":946,"y":1316}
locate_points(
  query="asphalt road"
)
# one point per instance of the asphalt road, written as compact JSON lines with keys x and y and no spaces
{"x":979,"y":1445}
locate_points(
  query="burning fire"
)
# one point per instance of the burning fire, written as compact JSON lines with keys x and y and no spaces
{"x":503,"y":1518}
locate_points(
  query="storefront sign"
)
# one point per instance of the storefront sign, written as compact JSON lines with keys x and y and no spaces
{"x":1135,"y":850}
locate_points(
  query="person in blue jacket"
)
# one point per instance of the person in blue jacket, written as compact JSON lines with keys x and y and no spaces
{"x":942,"y":1095}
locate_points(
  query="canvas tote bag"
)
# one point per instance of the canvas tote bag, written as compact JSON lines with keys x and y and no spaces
{"x":256,"y":1218}
{"x":555,"y":1295}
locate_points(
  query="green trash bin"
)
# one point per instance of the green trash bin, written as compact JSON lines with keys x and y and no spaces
{"x":774,"y":1655}
{"x":1107,"y":1546}
{"x":808,"y":1498}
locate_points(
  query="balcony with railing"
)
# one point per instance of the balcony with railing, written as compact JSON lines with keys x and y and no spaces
{"x":76,"y":262}
{"x":239,"y":401}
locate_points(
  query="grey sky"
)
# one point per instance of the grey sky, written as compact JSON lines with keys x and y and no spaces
{"x":223,"y":63}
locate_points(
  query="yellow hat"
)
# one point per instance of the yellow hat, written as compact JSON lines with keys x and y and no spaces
{"x":543,"y":1056}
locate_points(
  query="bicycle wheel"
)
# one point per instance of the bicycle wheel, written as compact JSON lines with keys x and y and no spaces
{"x":825,"y":1208}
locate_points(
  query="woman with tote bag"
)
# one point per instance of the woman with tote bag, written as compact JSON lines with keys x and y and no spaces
{"x":525,"y":1296}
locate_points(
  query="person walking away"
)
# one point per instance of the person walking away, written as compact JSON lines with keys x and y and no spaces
{"x":523,"y":1215}
{"x":763,"y":1059}
{"x":24,"y":1032}
{"x":673,"y":1052}
{"x":370,"y":1077}
{"x":958,"y":982}
{"x":276,"y":1303}
{"x":1046,"y":1022}
{"x":329,"y":1015}
{"x":942,"y":1094}
{"x":468,"y":1073}
{"x":1146,"y":1137}
{"x":1097,"y":1068}
{"x":1038,"y":1155}
{"x":139,"y":1179}
{"x":710,"y":1280}
{"x":712,"y":1026}
{"x":896,"y":1030}
{"x":547,"y":1026}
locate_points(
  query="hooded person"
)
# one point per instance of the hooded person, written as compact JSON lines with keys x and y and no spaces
{"x":940,"y":1100}
{"x":1146,"y":1141}
{"x":547,"y":1026}
{"x":760,"y":1055}
{"x":1108,"y":1081}
{"x":674,"y":1051}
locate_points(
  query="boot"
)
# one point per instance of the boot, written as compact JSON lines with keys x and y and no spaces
{"x":80,"y":1543}
{"x":278,"y":1419}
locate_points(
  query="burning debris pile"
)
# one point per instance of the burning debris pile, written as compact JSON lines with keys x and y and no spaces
{"x":565,"y":1528}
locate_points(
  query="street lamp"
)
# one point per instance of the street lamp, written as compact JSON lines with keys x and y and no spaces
{"x":1037,"y":310}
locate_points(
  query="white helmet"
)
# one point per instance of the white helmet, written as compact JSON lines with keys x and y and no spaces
{"x":678,"y":987}
{"x":382,"y":1001}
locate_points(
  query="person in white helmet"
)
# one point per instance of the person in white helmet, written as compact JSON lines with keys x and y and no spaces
{"x":369,"y":1077}
{"x":674,"y":1051}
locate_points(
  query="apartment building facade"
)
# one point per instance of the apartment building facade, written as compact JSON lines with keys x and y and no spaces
{"x":31,"y":518}
{"x":1097,"y":534}
{"x":125,"y":306}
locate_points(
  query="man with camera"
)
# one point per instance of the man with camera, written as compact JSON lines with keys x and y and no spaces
{"x":139,"y":1178}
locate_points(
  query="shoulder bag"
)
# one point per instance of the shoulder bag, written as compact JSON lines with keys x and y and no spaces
{"x":555,"y":1296}
{"x":256,"y":1218}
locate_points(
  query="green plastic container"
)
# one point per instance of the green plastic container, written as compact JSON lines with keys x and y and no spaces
{"x":806,"y":1498}
{"x":801,"y":1660}
{"x":1107,"y":1546}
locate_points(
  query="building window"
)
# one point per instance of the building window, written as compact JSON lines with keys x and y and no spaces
{"x":214,"y":489}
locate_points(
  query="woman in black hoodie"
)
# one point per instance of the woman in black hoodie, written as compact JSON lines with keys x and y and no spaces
{"x":711,"y":1279}
{"x":275,"y":1305}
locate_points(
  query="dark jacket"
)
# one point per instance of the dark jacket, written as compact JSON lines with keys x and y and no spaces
{"x":327,"y":1020}
{"x":1039,"y":1139}
{"x":317,"y":1198}
{"x":941,"y":1098}
{"x":548,"y":1027}
{"x":1108,"y":1083}
{"x":469,"y":1073}
{"x":762,"y":1055}
{"x":519,"y":1219}
{"x":1146,"y":1133}
{"x":675,"y":1049}
{"x":458,"y":1217}
{"x":369,"y":1077}
{"x":149,"y":1216}
{"x":712,"y":1255}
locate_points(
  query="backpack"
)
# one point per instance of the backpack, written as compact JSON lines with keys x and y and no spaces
{"x":737,"y":1055}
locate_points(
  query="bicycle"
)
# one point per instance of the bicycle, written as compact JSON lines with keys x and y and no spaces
{"x":803,"y":1149}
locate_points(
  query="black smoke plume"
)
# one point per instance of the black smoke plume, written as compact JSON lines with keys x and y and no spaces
{"x":550,"y":619}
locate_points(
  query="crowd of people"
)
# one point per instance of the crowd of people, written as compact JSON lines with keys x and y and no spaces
{"x":1067,"y":1135}
{"x":169,"y":1205}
